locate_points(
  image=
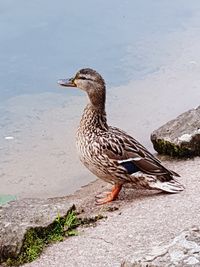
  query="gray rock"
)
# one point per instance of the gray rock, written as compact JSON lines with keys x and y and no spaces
{"x":17,"y":217}
{"x":179,"y":137}
{"x":183,"y":250}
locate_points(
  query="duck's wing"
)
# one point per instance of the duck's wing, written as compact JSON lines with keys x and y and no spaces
{"x":129,"y":153}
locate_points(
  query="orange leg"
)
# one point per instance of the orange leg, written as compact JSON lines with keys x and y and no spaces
{"x":111,"y":195}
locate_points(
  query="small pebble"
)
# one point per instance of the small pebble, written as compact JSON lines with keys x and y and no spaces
{"x":9,"y":137}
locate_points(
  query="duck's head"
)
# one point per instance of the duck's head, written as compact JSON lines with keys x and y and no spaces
{"x":89,"y":81}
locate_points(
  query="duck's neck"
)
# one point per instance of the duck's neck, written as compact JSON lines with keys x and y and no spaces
{"x":98,"y":98}
{"x":94,"y":115}
{"x":94,"y":119}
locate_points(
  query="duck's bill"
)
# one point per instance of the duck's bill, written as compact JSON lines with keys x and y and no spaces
{"x":67,"y":82}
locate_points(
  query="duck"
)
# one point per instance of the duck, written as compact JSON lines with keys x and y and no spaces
{"x":110,"y":153}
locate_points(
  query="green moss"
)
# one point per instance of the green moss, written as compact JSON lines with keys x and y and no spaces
{"x":92,"y":220}
{"x":37,"y":238}
{"x":167,"y":148}
{"x":33,"y":246}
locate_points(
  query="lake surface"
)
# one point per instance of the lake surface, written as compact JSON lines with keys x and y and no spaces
{"x":147,"y":51}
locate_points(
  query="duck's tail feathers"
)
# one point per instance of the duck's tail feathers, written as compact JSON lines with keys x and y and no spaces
{"x":172,"y":186}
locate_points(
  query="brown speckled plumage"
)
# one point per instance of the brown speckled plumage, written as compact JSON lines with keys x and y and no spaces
{"x":110,"y":153}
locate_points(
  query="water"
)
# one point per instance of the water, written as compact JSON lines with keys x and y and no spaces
{"x":42,"y":40}
{"x":128,"y":42}
{"x":6,"y":198}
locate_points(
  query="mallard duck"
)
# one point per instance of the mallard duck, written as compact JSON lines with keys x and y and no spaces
{"x":110,"y":153}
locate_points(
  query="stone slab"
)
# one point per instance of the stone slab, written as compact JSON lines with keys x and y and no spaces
{"x":179,"y":137}
{"x":17,"y":217}
{"x":183,"y":250}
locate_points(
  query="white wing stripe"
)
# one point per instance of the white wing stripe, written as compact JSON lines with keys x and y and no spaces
{"x":130,"y":159}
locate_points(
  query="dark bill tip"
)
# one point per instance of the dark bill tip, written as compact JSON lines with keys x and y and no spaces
{"x":66,"y":82}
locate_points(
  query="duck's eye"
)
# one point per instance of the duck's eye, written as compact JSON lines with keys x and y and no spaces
{"x":82,"y":78}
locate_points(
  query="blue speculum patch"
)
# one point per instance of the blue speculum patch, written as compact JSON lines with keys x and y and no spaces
{"x":6,"y":198}
{"x":130,"y":167}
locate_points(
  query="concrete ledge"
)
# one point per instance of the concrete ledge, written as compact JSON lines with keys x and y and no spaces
{"x":138,"y":221}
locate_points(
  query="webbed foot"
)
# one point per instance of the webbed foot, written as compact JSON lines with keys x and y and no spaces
{"x":110,"y":196}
